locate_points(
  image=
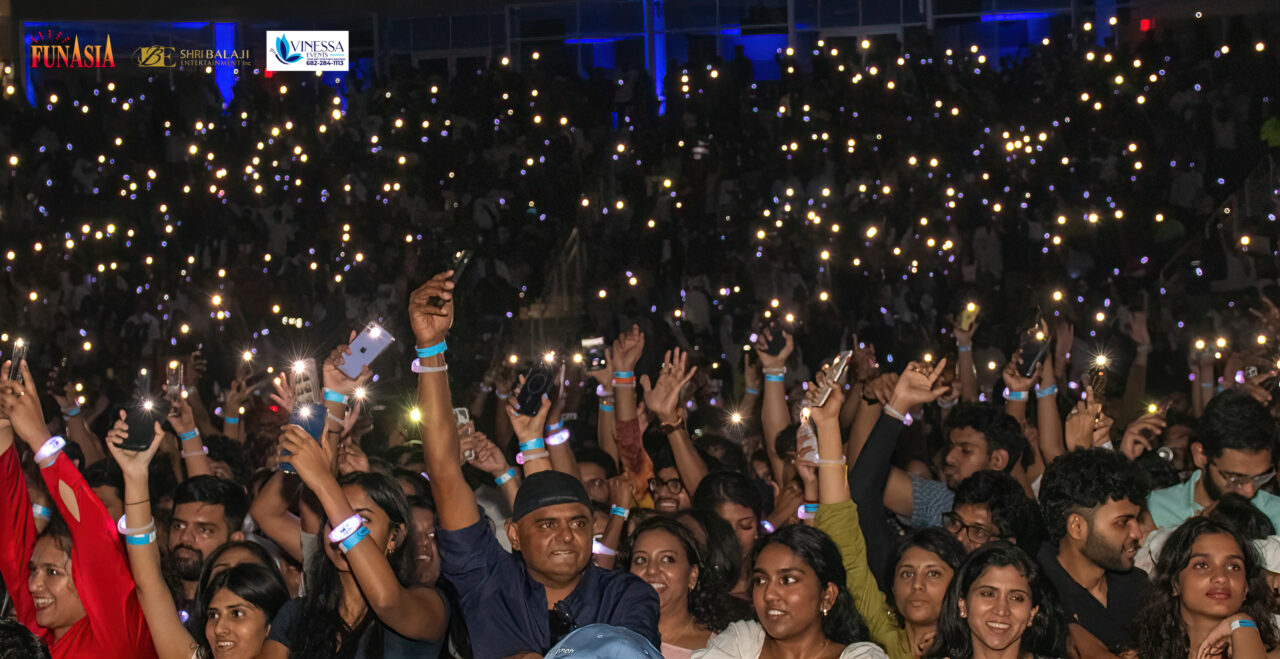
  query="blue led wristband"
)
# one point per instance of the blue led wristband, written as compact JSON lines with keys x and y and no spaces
{"x":501,"y":479}
{"x":190,"y":434}
{"x":1045,"y":392}
{"x":773,"y":378}
{"x":140,"y":539}
{"x":532,"y":445}
{"x":335,"y":397}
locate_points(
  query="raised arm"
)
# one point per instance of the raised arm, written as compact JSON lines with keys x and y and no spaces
{"x":557,"y":437}
{"x":455,"y":501}
{"x":77,"y":424}
{"x":663,"y":400}
{"x":967,"y":373}
{"x":232,"y":408}
{"x":171,"y":637}
{"x":606,"y":419}
{"x":270,"y":511}
{"x":875,"y":394}
{"x":916,"y":386}
{"x":98,"y":563}
{"x":628,"y":433}
{"x":1048,"y":419}
{"x":16,"y":520}
{"x":418,"y":613}
{"x":775,"y":415}
{"x":194,"y":455}
{"x":529,"y":433}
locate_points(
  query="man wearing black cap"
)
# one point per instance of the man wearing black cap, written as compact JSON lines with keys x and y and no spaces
{"x":515,"y":604}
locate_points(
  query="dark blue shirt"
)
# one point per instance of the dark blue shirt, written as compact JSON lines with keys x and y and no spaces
{"x":284,"y":629}
{"x":506,"y":610}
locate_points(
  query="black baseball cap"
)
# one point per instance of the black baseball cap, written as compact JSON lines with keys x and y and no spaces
{"x":548,"y":488}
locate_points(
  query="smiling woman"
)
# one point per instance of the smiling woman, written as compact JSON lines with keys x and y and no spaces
{"x":1000,"y":605}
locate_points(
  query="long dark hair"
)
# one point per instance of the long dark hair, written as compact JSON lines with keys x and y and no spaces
{"x":931,"y":539}
{"x":259,"y":585}
{"x":1158,"y":626}
{"x":707,"y":598}
{"x":1045,"y":636}
{"x":321,"y":631}
{"x":195,"y":621}
{"x":842,"y":623}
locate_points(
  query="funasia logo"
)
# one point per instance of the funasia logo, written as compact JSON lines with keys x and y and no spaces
{"x":52,"y":49}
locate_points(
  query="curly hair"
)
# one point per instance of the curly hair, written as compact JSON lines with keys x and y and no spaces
{"x":1001,"y":431}
{"x":1158,"y":627}
{"x":706,"y":598}
{"x":1045,"y":636}
{"x":1085,"y":480}
{"x":1015,"y":515}
{"x":842,"y":624}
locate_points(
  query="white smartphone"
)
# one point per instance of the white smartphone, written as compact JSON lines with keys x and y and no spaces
{"x":365,"y":348}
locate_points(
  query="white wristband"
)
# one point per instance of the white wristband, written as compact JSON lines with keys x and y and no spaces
{"x":52,"y":447}
{"x":344,"y":530}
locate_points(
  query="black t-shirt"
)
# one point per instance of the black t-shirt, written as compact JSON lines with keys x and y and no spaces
{"x":1110,"y":623}
{"x":394,"y":646}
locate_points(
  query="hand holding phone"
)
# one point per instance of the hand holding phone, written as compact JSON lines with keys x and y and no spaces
{"x":461,"y":259}
{"x":536,"y":383}
{"x":16,"y":356}
{"x":311,"y":418}
{"x":365,"y":348}
{"x":141,"y":418}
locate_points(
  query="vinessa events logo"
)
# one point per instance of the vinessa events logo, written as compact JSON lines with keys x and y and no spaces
{"x":308,"y":50}
{"x":52,"y":49}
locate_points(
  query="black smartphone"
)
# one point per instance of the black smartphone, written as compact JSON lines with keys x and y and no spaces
{"x":16,"y":356}
{"x":310,"y":417}
{"x":141,"y":418}
{"x":536,"y":382}
{"x":775,"y":344}
{"x":60,"y":376}
{"x":1035,"y":344}
{"x":459,"y":265}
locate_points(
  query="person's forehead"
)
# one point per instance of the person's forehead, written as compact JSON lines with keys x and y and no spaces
{"x":968,"y":435}
{"x":972,"y":513}
{"x":199,"y":511}
{"x":1244,"y":462}
{"x":590,"y":470}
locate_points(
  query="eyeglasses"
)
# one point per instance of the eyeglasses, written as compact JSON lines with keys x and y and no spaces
{"x":673,"y":486}
{"x":593,"y":483}
{"x":978,"y":534}
{"x":1241,"y":480}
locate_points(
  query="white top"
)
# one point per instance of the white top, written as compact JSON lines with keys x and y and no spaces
{"x":744,"y":640}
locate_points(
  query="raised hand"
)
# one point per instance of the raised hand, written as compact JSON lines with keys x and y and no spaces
{"x":752,"y":378}
{"x":283,"y":395}
{"x":333,"y":376}
{"x":527,"y":427}
{"x":864,"y":360}
{"x":829,"y":411}
{"x":663,"y":398}
{"x":627,"y":349}
{"x":351,"y":458}
{"x":194,"y":369}
{"x":431,"y":323}
{"x":312,"y":461}
{"x":621,"y":492}
{"x":181,"y":417}
{"x":1138,"y":436}
{"x":774,"y":361}
{"x":237,"y":394}
{"x":133,"y":464}
{"x":1137,"y":328}
{"x":1014,"y":380}
{"x":881,"y":388}
{"x":20,"y":403}
{"x":485,"y":455}
{"x":918,"y":385}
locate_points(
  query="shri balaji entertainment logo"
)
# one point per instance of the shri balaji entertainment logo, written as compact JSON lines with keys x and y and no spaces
{"x":55,"y":50}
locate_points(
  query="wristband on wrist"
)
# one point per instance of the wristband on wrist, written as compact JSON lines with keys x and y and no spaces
{"x":190,"y":434}
{"x":1045,"y":392}
{"x":766,"y":525}
{"x":558,"y":437}
{"x":598,"y":547}
{"x":946,"y":404}
{"x":753,"y":392}
{"x":606,"y":408}
{"x":351,"y":542}
{"x":568,"y":416}
{"x":964,"y":348}
{"x":501,"y":479}
{"x":802,"y":512}
{"x":49,"y":451}
{"x":522,"y":458}
{"x":71,"y":412}
{"x":602,"y":392}
{"x":233,"y":420}
{"x":1015,"y":396}
{"x":142,"y":539}
{"x":904,"y":417}
{"x":773,"y":377}
{"x":781,"y":370}
{"x":41,"y":512}
{"x":1143,"y":349}
{"x":838,"y":461}
{"x":419,"y":368}
{"x":555,"y":426}
{"x":345,"y":529}
{"x":533,"y":444}
{"x":623,"y":375}
{"x":501,"y":396}
{"x":432,"y":351}
{"x":141,"y":530}
{"x":624,"y":383}
{"x":195,"y":454}
{"x":335,"y":397}
{"x":1237,"y":624}
{"x":619,"y":511}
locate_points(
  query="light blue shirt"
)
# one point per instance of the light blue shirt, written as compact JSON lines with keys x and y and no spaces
{"x":1173,"y":505}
